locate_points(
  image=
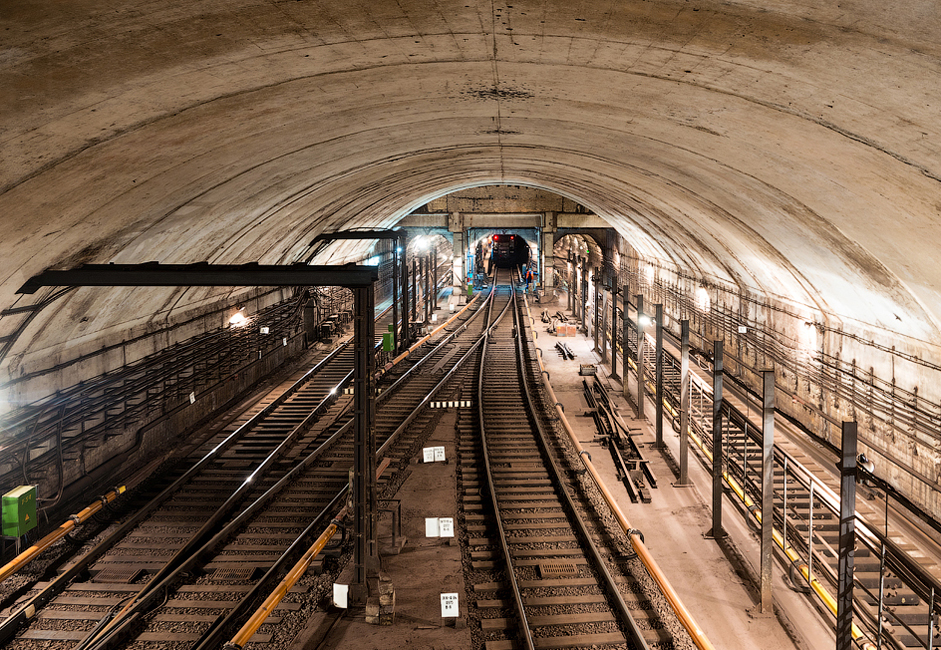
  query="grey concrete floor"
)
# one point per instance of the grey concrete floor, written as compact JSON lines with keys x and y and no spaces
{"x":718,"y":594}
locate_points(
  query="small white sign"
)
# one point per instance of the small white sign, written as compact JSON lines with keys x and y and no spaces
{"x":192,"y":398}
{"x":431,"y":527}
{"x":446,"y":527}
{"x":428,"y":454}
{"x":439,"y":453}
{"x":341,"y":595}
{"x":742,"y":329}
{"x":449,"y":606}
{"x":264,"y":330}
{"x":434,"y":318}
{"x":285,"y":341}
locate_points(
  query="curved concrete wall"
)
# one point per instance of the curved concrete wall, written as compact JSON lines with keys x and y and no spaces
{"x":782,"y":147}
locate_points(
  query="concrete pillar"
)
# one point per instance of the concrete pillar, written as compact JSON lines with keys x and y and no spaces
{"x":548,"y":262}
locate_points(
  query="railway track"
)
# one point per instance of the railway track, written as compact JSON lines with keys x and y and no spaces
{"x":545,"y":574}
{"x":897,"y":587}
{"x":187,"y":567}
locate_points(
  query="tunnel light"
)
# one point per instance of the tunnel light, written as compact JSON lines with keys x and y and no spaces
{"x":421,"y":243}
{"x":645,"y":320}
{"x":238,"y":319}
{"x":398,"y":249}
{"x":702,"y":299}
{"x":865,"y":463}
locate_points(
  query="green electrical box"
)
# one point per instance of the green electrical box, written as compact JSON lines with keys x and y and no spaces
{"x":19,"y":511}
{"x":388,"y":342}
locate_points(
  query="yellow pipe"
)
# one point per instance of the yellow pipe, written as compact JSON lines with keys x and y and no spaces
{"x":433,"y":332}
{"x":683,"y":614}
{"x":825,"y":597}
{"x":33,"y":551}
{"x":251,"y":626}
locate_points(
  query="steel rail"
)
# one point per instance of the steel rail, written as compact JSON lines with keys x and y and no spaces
{"x":624,"y":612}
{"x":634,"y":536}
{"x":112,"y":633}
{"x":68,"y":526}
{"x":184,"y":557}
{"x":29,"y":608}
{"x":524,"y":626}
{"x":212,"y":637}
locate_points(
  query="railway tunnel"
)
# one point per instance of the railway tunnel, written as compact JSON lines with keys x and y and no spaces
{"x":763,"y":170}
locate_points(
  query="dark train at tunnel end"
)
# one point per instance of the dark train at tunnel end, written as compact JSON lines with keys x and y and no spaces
{"x":509,"y":251}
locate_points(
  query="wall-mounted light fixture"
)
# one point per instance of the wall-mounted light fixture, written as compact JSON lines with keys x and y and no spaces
{"x":238,"y":319}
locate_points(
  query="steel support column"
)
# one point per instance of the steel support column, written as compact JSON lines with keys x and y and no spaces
{"x":767,"y":488}
{"x":614,"y":327}
{"x":845,"y":552}
{"x":717,"y":530}
{"x":658,"y":369}
{"x":625,"y":336}
{"x":365,"y":554}
{"x":684,"y":404}
{"x":596,"y":316}
{"x":434,"y":280}
{"x":413,"y":314}
{"x":640,"y":356}
{"x":403,"y":331}
{"x":584,"y":303}
{"x":396,"y":343}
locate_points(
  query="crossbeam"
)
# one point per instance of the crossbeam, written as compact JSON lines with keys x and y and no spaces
{"x":153,"y":274}
{"x":359,"y":234}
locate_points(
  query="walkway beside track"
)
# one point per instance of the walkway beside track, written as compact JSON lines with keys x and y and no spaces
{"x":674,"y":523}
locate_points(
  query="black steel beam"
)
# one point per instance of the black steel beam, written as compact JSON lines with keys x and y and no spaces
{"x":359,"y":234}
{"x":204,"y":275}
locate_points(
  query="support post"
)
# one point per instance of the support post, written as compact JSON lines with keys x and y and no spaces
{"x":584,"y":303}
{"x":414,"y":311}
{"x":434,"y":284}
{"x":717,"y":461}
{"x":596,"y":316}
{"x":614,"y":327}
{"x":640,"y":356}
{"x":426,"y":276}
{"x":658,"y":369}
{"x":767,"y":488}
{"x":844,"y":597}
{"x":403,"y":336}
{"x":395,"y":296}
{"x":365,"y":555}
{"x":625,"y":340}
{"x":684,"y":404}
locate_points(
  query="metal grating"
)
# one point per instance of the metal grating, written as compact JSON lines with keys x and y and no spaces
{"x":234,"y":574}
{"x":118,"y":575}
{"x":556,"y":569}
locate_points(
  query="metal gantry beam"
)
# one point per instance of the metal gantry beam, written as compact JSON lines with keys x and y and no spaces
{"x":203,"y":275}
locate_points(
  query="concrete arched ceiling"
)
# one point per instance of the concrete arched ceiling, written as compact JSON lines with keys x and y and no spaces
{"x":788,"y":147}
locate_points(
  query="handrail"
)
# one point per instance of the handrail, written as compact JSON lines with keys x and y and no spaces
{"x":634,"y":536}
